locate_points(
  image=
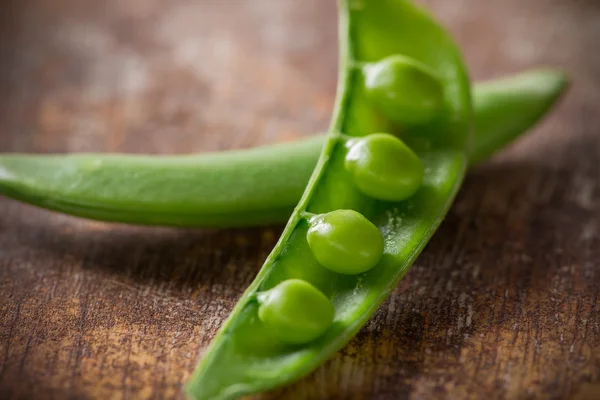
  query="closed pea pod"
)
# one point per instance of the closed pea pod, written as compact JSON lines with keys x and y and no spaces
{"x":237,"y":187}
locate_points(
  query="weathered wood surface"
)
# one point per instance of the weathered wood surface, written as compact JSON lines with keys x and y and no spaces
{"x":502,"y":304}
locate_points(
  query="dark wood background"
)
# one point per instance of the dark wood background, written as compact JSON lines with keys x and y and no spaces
{"x":503,"y":304}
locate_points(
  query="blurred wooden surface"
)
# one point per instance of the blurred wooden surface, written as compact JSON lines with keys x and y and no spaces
{"x":503,"y":304}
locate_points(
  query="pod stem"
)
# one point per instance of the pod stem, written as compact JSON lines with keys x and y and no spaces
{"x":307,"y":215}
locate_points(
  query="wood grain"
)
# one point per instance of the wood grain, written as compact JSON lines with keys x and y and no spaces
{"x":503,"y":304}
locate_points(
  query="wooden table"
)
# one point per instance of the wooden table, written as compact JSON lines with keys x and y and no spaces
{"x":503,"y":304}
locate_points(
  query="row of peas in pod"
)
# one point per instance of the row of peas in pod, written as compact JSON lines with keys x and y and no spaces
{"x":383,"y":167}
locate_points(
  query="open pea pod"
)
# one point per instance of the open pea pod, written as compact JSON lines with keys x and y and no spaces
{"x":388,"y":172}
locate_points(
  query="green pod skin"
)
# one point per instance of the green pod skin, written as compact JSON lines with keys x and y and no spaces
{"x":242,"y":358}
{"x":240,"y":187}
{"x":233,"y":188}
{"x":507,"y":106}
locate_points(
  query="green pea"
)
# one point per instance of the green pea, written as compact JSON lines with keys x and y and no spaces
{"x":384,"y":167}
{"x":407,"y":91}
{"x":345,"y":242}
{"x":295,"y":311}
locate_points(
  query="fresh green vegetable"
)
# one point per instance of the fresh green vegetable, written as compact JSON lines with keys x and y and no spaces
{"x":243,"y":358}
{"x":407,"y":91}
{"x":242,"y":187}
{"x":384,"y":167}
{"x":345,"y":242}
{"x":295,"y":311}
{"x":388,"y":171}
{"x":517,"y":102}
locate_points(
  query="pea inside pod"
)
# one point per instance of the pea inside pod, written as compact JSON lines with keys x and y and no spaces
{"x":384,"y":167}
{"x":406,"y":90}
{"x":295,"y":311}
{"x":344,"y":241}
